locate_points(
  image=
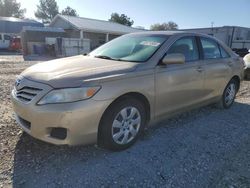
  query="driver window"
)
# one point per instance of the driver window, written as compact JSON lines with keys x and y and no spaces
{"x":186,"y":46}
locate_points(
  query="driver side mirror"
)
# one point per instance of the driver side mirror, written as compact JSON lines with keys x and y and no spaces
{"x":173,"y":59}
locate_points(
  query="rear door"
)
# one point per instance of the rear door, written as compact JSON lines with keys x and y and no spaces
{"x":217,"y":67}
{"x":180,"y":85}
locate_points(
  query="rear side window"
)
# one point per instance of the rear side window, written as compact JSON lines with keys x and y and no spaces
{"x":224,"y":54}
{"x":186,"y":46}
{"x":7,"y":37}
{"x":0,"y":37}
{"x":210,"y":49}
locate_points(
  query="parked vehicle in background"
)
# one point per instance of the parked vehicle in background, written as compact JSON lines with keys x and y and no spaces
{"x":112,"y":94}
{"x":15,"y":44}
{"x":241,"y":52}
{"x":4,"y":41}
{"x":237,"y":38}
{"x":247,"y":65}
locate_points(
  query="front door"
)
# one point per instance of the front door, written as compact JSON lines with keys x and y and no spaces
{"x":180,"y":85}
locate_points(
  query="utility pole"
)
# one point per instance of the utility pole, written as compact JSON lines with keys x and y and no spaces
{"x":212,"y":28}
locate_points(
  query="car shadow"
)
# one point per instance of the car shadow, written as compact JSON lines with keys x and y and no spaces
{"x":189,"y":149}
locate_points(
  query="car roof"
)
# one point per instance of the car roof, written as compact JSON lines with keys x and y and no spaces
{"x":171,"y":33}
{"x":160,"y":32}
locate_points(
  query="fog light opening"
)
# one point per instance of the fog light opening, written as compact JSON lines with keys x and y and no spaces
{"x":58,"y":133}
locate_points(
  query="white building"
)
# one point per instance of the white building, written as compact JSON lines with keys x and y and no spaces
{"x":98,"y":31}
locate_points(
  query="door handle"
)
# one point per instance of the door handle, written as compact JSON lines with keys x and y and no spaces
{"x":199,"y":69}
{"x":230,"y":63}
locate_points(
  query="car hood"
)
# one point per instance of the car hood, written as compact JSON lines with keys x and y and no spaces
{"x":73,"y":71}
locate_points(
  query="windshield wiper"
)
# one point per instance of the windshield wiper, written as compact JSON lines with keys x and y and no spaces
{"x":104,"y":57}
{"x":110,"y":58}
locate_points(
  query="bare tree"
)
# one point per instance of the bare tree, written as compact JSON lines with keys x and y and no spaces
{"x":11,"y":8}
{"x":46,"y":10}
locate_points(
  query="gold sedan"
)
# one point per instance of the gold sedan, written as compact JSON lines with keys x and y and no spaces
{"x":110,"y":95}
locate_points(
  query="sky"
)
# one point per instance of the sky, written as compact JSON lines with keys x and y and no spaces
{"x":186,"y":13}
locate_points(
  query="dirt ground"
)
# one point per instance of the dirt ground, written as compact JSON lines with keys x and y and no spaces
{"x":206,"y":147}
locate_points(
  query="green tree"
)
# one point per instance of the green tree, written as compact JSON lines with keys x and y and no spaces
{"x":11,"y":8}
{"x":121,"y":19}
{"x":69,"y":11}
{"x":164,"y":26}
{"x":47,"y":10}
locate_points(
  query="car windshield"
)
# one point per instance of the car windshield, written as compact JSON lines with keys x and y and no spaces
{"x":136,"y":48}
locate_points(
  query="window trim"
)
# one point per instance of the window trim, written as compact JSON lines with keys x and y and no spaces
{"x":201,"y":53}
{"x":183,"y":37}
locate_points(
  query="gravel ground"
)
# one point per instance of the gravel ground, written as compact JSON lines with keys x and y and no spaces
{"x":207,"y":147}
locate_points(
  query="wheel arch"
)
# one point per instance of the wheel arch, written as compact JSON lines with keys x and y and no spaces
{"x":136,"y":95}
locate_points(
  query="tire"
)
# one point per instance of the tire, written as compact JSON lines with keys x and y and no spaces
{"x":229,"y":95}
{"x":247,"y":76}
{"x":122,"y":124}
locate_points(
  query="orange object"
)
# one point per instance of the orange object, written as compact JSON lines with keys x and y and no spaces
{"x":15,"y":44}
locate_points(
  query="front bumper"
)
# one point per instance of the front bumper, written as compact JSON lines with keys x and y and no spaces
{"x":79,"y":119}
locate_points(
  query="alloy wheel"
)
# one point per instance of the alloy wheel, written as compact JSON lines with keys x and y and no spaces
{"x":230,"y":94}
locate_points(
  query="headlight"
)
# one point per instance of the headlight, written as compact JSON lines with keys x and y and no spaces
{"x":68,"y":95}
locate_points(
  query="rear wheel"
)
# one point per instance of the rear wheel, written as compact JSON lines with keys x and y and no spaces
{"x":122,"y":124}
{"x":229,"y":94}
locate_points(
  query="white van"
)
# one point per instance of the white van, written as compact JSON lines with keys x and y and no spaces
{"x":4,"y":41}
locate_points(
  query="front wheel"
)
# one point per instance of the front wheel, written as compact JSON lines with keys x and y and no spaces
{"x":122,"y":124}
{"x":229,"y":94}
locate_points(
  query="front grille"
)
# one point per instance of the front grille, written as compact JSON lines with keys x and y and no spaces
{"x":26,"y":93}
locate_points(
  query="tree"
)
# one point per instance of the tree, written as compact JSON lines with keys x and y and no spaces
{"x":11,"y":8}
{"x":46,"y":10}
{"x":164,"y":26}
{"x":121,"y":19}
{"x":69,"y":11}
